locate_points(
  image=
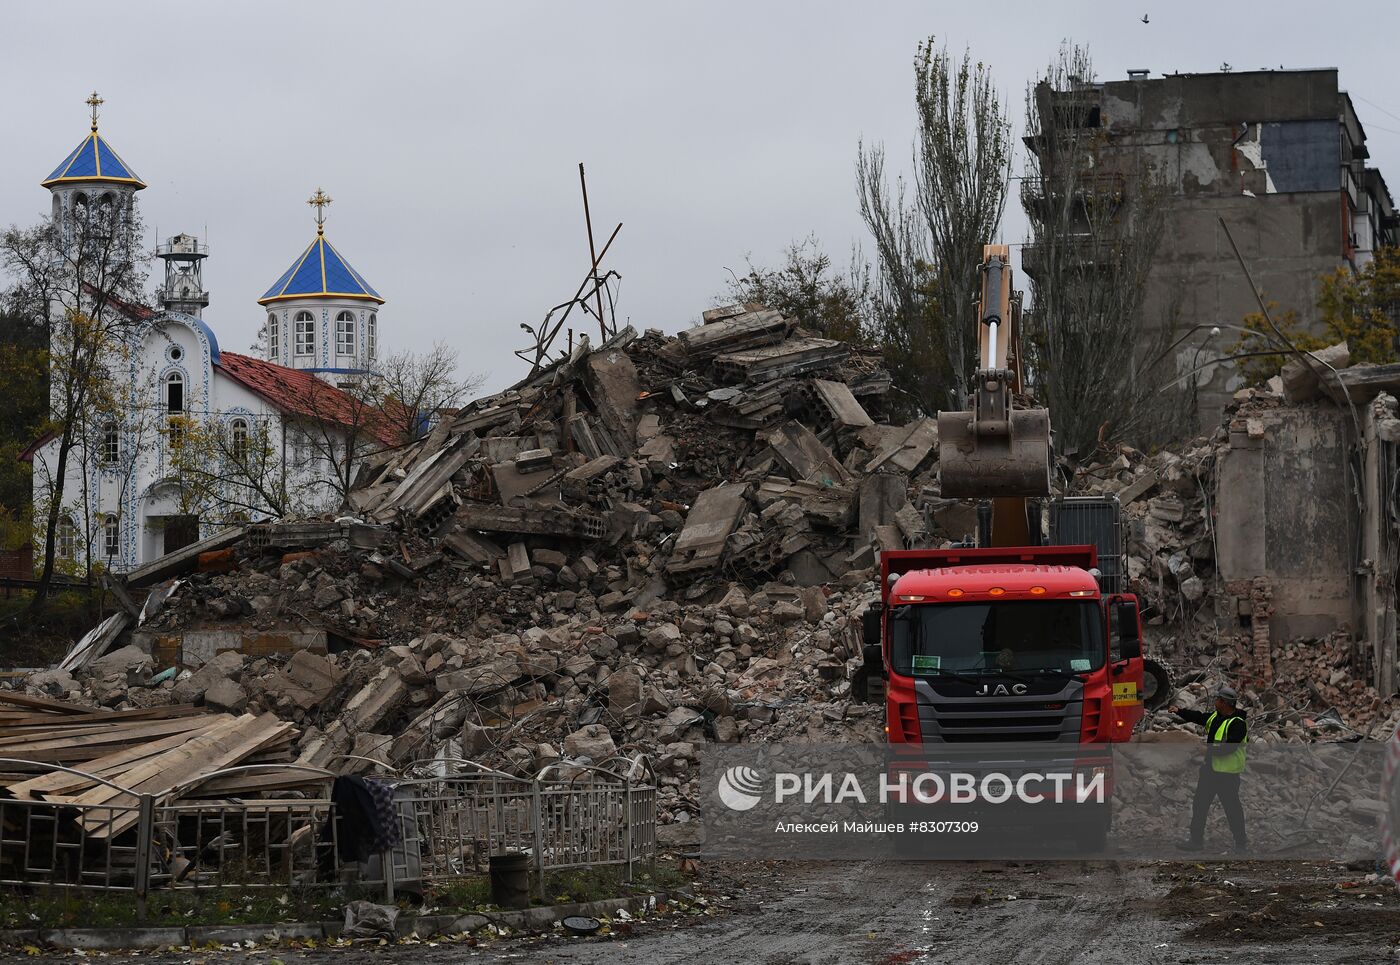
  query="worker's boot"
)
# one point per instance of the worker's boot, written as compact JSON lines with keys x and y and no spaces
{"x":1191,"y":844}
{"x":1240,"y":848}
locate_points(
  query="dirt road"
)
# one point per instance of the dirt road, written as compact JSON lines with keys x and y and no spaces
{"x":909,"y":914}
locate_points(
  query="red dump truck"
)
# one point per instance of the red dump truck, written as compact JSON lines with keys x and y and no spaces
{"x":1006,"y":644}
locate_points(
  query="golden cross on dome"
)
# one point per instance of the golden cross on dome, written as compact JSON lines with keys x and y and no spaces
{"x":319,"y":200}
{"x":94,"y":102}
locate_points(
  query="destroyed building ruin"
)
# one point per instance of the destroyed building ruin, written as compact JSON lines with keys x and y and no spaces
{"x":666,"y":541}
{"x":1281,"y":155}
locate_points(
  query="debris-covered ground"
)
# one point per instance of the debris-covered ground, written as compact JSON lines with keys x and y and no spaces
{"x":918,"y":913}
{"x":668,"y":542}
{"x":652,"y":545}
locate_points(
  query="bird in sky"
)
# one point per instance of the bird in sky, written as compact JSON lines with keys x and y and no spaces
{"x":1144,"y":19}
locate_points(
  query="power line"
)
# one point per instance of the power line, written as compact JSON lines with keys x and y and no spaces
{"x":1378,"y":107}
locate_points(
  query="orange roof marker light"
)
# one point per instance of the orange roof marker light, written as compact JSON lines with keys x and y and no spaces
{"x":1037,"y":591}
{"x":955,"y":592}
{"x":996,"y":591}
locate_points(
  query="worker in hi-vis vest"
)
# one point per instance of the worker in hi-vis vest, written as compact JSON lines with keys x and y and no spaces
{"x":1223,"y":766}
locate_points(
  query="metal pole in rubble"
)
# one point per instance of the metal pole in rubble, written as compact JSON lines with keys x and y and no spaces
{"x":537,"y":806}
{"x":145,"y":835}
{"x":592,"y":253}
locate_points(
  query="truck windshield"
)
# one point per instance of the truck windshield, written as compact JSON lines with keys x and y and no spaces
{"x":1063,"y":636}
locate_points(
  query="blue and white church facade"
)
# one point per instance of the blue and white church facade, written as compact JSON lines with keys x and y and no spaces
{"x":124,"y":501}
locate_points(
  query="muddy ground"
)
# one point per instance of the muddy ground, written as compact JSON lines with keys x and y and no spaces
{"x":906,"y":914}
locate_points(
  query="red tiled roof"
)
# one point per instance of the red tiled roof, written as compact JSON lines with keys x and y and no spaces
{"x":301,"y":393}
{"x":27,"y":453}
{"x":133,"y":311}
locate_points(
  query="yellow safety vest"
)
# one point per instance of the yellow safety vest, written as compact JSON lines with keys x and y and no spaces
{"x":1233,"y":762}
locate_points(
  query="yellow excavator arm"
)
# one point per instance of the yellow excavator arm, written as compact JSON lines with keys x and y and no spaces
{"x":995,"y":450}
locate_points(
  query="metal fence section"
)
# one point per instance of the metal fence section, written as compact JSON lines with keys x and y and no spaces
{"x":1098,"y":521}
{"x":451,"y":816}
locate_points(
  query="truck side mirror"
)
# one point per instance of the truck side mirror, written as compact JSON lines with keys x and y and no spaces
{"x":870,"y":625}
{"x":1126,"y":617}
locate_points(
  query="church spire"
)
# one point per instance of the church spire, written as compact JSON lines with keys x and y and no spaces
{"x":319,"y":200}
{"x":93,"y":161}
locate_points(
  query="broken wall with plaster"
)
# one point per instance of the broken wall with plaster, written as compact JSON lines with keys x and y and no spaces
{"x":1279,"y":156}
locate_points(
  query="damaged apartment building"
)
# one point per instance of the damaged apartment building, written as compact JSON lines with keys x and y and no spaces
{"x":1281,"y":157}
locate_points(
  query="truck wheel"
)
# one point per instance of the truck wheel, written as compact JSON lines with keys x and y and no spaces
{"x":1156,"y":683}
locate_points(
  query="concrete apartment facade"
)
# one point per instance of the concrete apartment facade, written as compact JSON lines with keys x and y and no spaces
{"x":1281,"y":156}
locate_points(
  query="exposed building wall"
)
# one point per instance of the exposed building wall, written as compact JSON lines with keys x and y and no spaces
{"x":1280,"y":156}
{"x":1285,"y":511}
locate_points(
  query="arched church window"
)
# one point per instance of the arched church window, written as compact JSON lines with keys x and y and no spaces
{"x":67,"y":539}
{"x":238,"y":439}
{"x":174,"y":392}
{"x":305,"y":331}
{"x":111,"y":445}
{"x":371,"y":333}
{"x":274,"y":340}
{"x":111,"y":537}
{"x":345,"y":334}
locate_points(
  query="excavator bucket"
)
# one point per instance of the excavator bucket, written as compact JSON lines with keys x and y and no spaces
{"x":994,"y":450}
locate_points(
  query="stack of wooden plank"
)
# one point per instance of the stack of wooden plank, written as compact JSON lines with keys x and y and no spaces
{"x":162,"y":751}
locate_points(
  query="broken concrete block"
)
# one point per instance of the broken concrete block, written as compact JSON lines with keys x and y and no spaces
{"x":662,"y":636}
{"x":375,"y":701}
{"x":677,"y":723}
{"x":592,"y":742}
{"x":406,"y":662}
{"x":713,"y":517}
{"x":553,"y":559}
{"x":625,"y":693}
{"x":129,"y":659}
{"x":515,"y":564}
{"x":785,"y":613}
{"x":1138,"y":488}
{"x":306,"y":681}
{"x":226,"y":696}
{"x":726,"y":730}
{"x":534,"y":460}
{"x":481,"y":678}
{"x":1302,"y":381}
{"x":221,"y":667}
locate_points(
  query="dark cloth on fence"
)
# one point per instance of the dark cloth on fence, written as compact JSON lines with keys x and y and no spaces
{"x":366,"y":820}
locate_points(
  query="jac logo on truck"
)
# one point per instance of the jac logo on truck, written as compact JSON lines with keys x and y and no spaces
{"x":1001,"y":690}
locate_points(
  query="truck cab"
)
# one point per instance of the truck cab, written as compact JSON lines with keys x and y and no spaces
{"x":1006,"y":644}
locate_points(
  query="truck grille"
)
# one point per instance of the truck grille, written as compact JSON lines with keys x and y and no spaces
{"x":970,"y":720}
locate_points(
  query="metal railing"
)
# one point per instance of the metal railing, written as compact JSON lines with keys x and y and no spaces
{"x":452,"y":815}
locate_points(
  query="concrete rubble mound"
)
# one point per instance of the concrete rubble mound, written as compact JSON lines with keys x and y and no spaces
{"x":646,"y":546}
{"x":650,"y":544}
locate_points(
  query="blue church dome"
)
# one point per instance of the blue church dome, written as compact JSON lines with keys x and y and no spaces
{"x":320,"y":272}
{"x":93,"y":160}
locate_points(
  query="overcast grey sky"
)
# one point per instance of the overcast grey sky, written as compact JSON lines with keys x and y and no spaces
{"x":449,"y":134}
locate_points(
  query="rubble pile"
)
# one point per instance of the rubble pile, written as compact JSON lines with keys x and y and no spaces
{"x":1167,"y":525}
{"x":647,"y":545}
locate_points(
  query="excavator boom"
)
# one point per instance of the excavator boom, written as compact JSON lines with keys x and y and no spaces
{"x":995,"y":450}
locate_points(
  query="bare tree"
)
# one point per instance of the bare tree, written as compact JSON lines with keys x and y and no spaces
{"x":412,"y":389}
{"x":388,"y":408}
{"x":1096,"y":218}
{"x":70,"y":277}
{"x":235,"y":468}
{"x":928,"y":246}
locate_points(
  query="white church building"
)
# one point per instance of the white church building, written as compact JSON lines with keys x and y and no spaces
{"x":125,"y":501}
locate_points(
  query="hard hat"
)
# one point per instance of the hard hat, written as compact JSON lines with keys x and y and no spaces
{"x":1228,"y":694}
